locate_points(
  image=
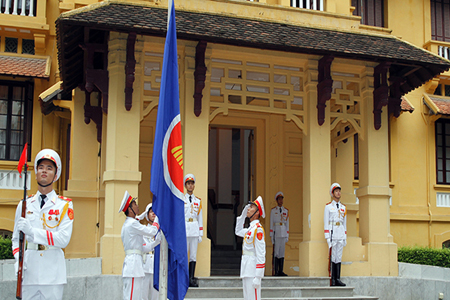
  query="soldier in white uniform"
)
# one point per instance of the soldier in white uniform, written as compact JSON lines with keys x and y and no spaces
{"x":335,"y":229}
{"x":253,"y":260}
{"x":133,"y":234}
{"x":279,"y":232}
{"x":194,"y":225}
{"x":149,"y":245}
{"x":47,"y":228}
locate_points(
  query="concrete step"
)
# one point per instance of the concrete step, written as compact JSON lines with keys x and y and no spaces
{"x":300,"y":298}
{"x":271,"y":292}
{"x":225,"y":272}
{"x":288,"y":281}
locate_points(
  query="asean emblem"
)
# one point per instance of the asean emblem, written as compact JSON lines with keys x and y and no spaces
{"x":172,"y":152}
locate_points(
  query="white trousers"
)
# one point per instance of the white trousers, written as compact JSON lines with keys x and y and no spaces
{"x":192,"y":244}
{"x":279,"y":247}
{"x":132,"y":288}
{"x":42,"y":292}
{"x":336,"y":251}
{"x":249,"y":292}
{"x":148,"y":291}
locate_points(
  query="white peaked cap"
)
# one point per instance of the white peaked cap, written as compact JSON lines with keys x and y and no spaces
{"x":189,"y":177}
{"x":333,"y":187}
{"x":259,"y":203}
{"x":279,"y":194}
{"x":125,"y":202}
{"x":145,"y":213}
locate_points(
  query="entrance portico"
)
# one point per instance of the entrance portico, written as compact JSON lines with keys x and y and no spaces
{"x":306,"y":136}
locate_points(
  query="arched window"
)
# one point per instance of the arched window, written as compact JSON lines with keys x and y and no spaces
{"x":446,"y":244}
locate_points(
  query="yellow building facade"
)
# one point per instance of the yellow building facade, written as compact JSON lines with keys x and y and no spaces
{"x":273,"y":112}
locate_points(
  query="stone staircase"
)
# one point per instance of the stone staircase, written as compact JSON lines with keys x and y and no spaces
{"x":225,"y":262}
{"x":273,"y":288}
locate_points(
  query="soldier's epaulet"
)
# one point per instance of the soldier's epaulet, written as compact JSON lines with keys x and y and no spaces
{"x":328,"y":203}
{"x":28,"y":197}
{"x":258,"y":225}
{"x":273,"y":207}
{"x":64,"y":198}
{"x":286,"y":208}
{"x":198,"y":198}
{"x":343,"y":204}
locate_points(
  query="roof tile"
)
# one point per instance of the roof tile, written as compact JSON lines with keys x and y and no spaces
{"x":23,"y":66}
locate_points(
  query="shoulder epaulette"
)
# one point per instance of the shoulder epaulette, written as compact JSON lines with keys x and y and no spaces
{"x":273,"y":207}
{"x":342,"y":204}
{"x":31,"y":196}
{"x":286,"y":209}
{"x":328,"y":203}
{"x":64,"y":198}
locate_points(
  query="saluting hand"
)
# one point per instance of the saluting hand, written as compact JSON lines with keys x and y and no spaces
{"x":244,"y":211}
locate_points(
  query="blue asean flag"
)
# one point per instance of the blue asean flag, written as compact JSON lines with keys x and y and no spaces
{"x":167,"y":171}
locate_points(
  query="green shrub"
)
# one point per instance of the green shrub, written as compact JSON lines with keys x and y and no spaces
{"x":5,"y":248}
{"x":424,"y":256}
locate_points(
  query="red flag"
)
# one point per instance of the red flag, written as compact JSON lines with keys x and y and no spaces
{"x":22,"y":160}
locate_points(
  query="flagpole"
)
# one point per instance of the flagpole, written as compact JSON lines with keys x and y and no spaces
{"x":163,"y":265}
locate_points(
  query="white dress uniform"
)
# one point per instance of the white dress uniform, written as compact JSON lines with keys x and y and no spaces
{"x":133,"y":274}
{"x":149,"y":245}
{"x":253,"y":261}
{"x":44,"y":262}
{"x":194,"y":224}
{"x":279,"y":229}
{"x":335,"y":228}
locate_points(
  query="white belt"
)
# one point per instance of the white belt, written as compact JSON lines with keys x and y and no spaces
{"x":279,"y":223}
{"x":335,"y":223}
{"x":133,"y":251}
{"x":191,"y":219}
{"x":33,"y":246}
{"x":250,"y":253}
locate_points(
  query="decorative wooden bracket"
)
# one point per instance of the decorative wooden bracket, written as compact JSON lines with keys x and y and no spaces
{"x":199,"y":76}
{"x":96,"y":72}
{"x":380,"y":92}
{"x":129,"y":70}
{"x":94,"y":113}
{"x":395,"y":96}
{"x":324,"y":86}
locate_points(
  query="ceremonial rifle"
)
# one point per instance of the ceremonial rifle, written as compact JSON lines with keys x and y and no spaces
{"x":23,"y":158}
{"x":273,"y":259}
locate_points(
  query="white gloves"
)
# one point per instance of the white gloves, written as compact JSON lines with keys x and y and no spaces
{"x":345,"y":242}
{"x":329,"y":243}
{"x":156,"y":220}
{"x":244,"y":211}
{"x":199,"y":239}
{"x":286,"y":239}
{"x":24,"y":225}
{"x":256,"y":284}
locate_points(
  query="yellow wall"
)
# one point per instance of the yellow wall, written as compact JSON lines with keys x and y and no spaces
{"x":415,"y":219}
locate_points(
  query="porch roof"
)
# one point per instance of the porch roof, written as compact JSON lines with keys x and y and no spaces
{"x":439,"y":105}
{"x":38,"y":67}
{"x":412,"y":64}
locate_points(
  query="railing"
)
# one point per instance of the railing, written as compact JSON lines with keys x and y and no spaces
{"x":443,"y":199}
{"x":444,"y":52}
{"x":18,"y":7}
{"x":308,"y":4}
{"x":12,"y":181}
